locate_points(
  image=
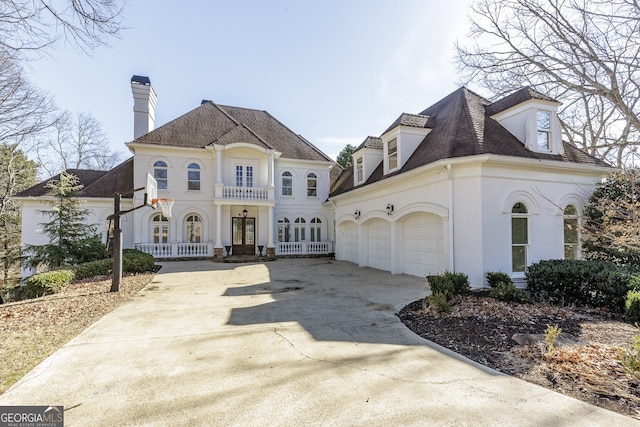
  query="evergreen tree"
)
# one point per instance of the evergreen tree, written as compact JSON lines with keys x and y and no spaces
{"x":17,"y":173}
{"x":612,"y":220}
{"x":344,"y":158}
{"x":71,"y":240}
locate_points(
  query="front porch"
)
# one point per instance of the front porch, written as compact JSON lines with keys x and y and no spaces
{"x":206,"y":250}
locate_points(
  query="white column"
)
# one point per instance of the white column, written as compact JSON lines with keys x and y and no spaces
{"x":218,"y":226}
{"x":271,"y":168}
{"x":219,"y":149}
{"x":270,"y":243}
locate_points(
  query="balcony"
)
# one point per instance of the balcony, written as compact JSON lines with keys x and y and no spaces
{"x":245,"y":193}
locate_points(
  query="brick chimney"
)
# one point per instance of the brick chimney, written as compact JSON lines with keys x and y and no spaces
{"x":144,"y":105}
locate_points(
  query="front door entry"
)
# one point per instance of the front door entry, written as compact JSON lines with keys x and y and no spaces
{"x":243,"y":235}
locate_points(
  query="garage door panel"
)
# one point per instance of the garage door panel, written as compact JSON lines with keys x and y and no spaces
{"x":379,"y":247}
{"x":349,"y":234}
{"x":423,"y":246}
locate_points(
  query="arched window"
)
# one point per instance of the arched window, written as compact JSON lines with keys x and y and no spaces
{"x":160,"y":174}
{"x":160,"y":228}
{"x":287,"y":184}
{"x":316,"y":230}
{"x":519,"y":237}
{"x":284,"y":234}
{"x":299,"y":228}
{"x":571,"y":233}
{"x":312,"y":185}
{"x":193,"y":176}
{"x":193,"y":228}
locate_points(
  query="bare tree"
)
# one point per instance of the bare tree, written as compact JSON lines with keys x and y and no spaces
{"x":29,"y":27}
{"x":76,"y":143}
{"x":585,"y":53}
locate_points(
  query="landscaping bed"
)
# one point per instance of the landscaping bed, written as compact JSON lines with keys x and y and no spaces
{"x":481,"y":328}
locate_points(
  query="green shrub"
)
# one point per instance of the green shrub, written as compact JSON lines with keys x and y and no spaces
{"x":47,"y":283}
{"x":632,"y":306}
{"x":135,"y":261}
{"x":102,"y":267}
{"x":495,"y":277}
{"x":438,"y":302}
{"x":631,"y":358}
{"x":449,"y":284}
{"x":503,"y":288}
{"x":580,"y":282}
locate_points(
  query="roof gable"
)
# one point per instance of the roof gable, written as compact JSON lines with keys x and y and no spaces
{"x":211,"y":123}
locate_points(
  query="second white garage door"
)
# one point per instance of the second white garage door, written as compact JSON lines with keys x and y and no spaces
{"x":379,"y":247}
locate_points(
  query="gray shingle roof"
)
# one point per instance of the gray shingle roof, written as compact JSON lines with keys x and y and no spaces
{"x":412,"y":120}
{"x":95,"y":183}
{"x":371,"y":142}
{"x":461,"y":126}
{"x":211,"y":123}
{"x":524,"y":94}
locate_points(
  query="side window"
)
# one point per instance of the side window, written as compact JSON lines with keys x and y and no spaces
{"x":519,"y":237}
{"x":193,"y":229}
{"x":543,"y":120}
{"x":193,"y":176}
{"x":287,"y":184}
{"x":316,"y":230}
{"x":393,"y":153}
{"x":571,"y":233}
{"x":299,"y":228}
{"x":160,"y":174}
{"x":160,"y":229}
{"x":312,"y":185}
{"x":283,"y":230}
{"x":359,"y":170}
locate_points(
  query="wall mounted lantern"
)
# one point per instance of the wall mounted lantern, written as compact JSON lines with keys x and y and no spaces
{"x":389,"y":209}
{"x":244,"y":213}
{"x":356,"y":214}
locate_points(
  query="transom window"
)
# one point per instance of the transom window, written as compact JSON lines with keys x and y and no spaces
{"x":160,"y":174}
{"x":393,"y":153}
{"x":160,"y":228}
{"x":284,"y":234}
{"x":571,"y":233}
{"x":193,"y":228}
{"x":287,"y":184}
{"x":312,"y":185}
{"x":193,"y":176}
{"x":519,"y":237}
{"x":543,"y":120}
{"x":316,"y":230}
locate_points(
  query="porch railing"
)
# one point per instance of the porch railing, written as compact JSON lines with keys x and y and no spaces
{"x":176,"y":250}
{"x":303,"y":248}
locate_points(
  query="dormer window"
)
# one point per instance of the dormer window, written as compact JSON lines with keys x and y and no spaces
{"x":392,"y":153}
{"x":543,"y":120}
{"x":359,"y":170}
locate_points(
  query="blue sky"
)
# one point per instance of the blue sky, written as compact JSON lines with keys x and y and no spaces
{"x":332,"y":71}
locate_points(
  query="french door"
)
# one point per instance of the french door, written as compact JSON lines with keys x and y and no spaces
{"x":243,"y":236}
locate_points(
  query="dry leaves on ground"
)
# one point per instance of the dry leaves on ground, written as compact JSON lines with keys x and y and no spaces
{"x":481,"y":328}
{"x":33,"y":329}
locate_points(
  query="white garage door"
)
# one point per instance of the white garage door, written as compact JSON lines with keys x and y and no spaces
{"x":379,"y":244}
{"x":423,"y":248}
{"x":349,"y":242}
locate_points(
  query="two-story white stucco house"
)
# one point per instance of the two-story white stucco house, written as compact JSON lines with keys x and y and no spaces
{"x":242,"y":183}
{"x":466,"y":185}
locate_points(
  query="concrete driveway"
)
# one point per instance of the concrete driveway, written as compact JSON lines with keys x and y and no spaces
{"x":291,"y":342}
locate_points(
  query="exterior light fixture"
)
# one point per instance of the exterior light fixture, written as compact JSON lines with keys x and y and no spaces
{"x":244,"y":213}
{"x":356,"y":214}
{"x":389,"y":209}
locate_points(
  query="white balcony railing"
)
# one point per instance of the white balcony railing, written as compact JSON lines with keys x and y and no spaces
{"x":303,"y":248}
{"x":245,"y":193}
{"x":176,"y":250}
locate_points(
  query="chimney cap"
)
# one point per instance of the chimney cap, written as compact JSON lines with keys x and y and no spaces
{"x":142,"y":80}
